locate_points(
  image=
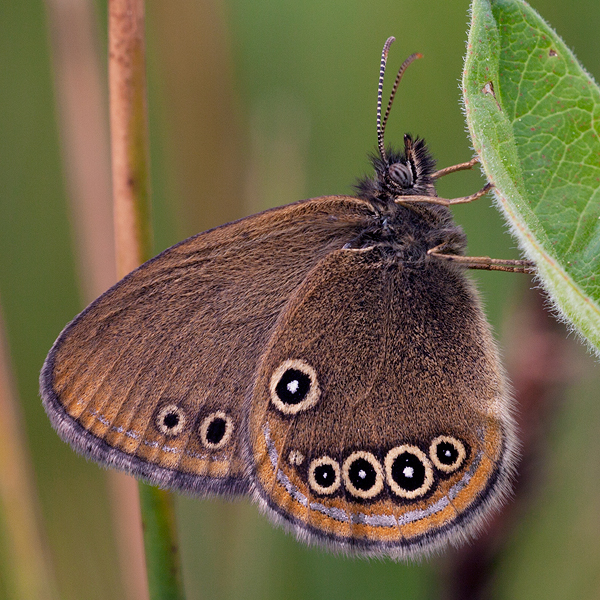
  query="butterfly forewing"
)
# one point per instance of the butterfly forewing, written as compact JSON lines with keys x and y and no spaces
{"x":153,"y":376}
{"x":373,"y":457}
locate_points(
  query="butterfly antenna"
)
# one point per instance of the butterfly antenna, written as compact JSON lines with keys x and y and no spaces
{"x":403,"y":68}
{"x":380,"y":127}
{"x":381,"y":124}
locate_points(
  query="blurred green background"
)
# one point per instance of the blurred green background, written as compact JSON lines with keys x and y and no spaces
{"x":251,"y":105}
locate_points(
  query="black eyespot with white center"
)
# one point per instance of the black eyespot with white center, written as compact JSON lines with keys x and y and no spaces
{"x":216,"y":430}
{"x":409,"y":472}
{"x":294,"y":387}
{"x":324,"y":475}
{"x":447,"y":453}
{"x":363,"y":475}
{"x":170,"y":420}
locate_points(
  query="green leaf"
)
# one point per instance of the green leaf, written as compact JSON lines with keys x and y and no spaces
{"x":534,"y":117}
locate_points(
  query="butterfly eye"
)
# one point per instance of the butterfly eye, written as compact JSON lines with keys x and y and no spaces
{"x":324,"y":475}
{"x":216,"y":430}
{"x":363,"y":475}
{"x":447,"y":453}
{"x":170,"y":420}
{"x":401,"y":174}
{"x":409,"y":472}
{"x":294,"y":387}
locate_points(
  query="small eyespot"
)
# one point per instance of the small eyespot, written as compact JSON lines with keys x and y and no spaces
{"x":409,"y":472}
{"x":296,"y":458}
{"x":401,"y":174}
{"x":363,"y":475}
{"x":170,"y":420}
{"x":447,"y":453}
{"x":216,"y":430}
{"x":294,"y":387}
{"x":324,"y":475}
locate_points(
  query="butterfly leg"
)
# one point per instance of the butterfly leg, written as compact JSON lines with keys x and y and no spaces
{"x":445,"y":201}
{"x":484,"y":262}
{"x":454,"y":168}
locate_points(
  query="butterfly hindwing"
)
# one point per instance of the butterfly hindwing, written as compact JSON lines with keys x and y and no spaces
{"x":154,"y":376}
{"x":369,"y":457}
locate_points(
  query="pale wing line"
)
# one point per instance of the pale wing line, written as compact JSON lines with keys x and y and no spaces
{"x":201,"y":257}
{"x":134,"y":411}
{"x":311,"y":497}
{"x":141,"y":435}
{"x":205,"y":390}
{"x":175,"y":369}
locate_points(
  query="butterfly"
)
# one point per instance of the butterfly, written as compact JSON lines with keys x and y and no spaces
{"x":328,"y":358}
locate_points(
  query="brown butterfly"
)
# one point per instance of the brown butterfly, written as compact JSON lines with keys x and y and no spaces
{"x":330,"y":358}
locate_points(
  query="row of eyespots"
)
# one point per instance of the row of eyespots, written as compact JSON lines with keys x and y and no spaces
{"x":409,"y":472}
{"x":407,"y":469}
{"x":215,"y":429}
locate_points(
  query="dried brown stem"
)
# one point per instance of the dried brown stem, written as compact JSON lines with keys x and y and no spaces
{"x":29,"y":573}
{"x":129,"y":133}
{"x":130,"y":168}
{"x":81,"y":98}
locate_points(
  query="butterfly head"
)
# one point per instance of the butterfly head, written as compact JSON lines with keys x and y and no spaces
{"x":407,"y":173}
{"x":397,"y":173}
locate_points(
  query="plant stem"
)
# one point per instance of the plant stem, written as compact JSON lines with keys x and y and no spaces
{"x":131,"y":193}
{"x":27,"y":572}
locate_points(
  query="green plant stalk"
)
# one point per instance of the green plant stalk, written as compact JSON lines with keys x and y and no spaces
{"x":131,"y":193}
{"x":162,"y":550}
